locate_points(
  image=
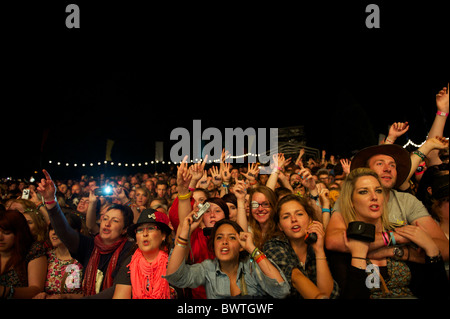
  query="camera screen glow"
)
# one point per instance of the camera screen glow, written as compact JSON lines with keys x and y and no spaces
{"x":108,"y":190}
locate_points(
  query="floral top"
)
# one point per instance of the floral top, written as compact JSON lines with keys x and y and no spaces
{"x":16,"y":278}
{"x":63,"y":276}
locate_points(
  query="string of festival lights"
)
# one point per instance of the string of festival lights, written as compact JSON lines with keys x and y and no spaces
{"x":147,"y":163}
{"x":154,"y":162}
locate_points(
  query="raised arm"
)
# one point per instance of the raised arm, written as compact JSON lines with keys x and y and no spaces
{"x":278,"y":160}
{"x":395,"y":131}
{"x":437,"y":129}
{"x":246,"y":241}
{"x":184,"y":180}
{"x":91,"y":216}
{"x":240,"y":190}
{"x":181,"y":243}
{"x":431,"y":144}
{"x":68,"y":235}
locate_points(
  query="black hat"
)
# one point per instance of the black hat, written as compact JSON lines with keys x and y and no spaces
{"x":150,"y":215}
{"x":398,"y":153}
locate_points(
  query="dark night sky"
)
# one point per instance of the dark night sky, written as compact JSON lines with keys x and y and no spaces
{"x":134,"y":82}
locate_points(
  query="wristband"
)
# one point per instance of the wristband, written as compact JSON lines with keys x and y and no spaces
{"x":50,"y":202}
{"x":391,"y":233}
{"x":187,"y":196}
{"x":420,"y":154}
{"x":128,"y":203}
{"x":385,"y":238}
{"x":180,"y":244}
{"x":388,"y":140}
{"x":260,"y":258}
{"x":326,"y":210}
{"x":441,"y":113}
{"x":191,"y":189}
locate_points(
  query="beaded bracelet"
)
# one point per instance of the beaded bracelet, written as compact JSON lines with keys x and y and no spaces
{"x":420,"y":154}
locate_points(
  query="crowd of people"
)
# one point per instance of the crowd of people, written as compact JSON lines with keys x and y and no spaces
{"x":373,"y":226}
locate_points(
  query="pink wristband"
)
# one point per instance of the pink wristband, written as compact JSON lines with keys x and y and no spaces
{"x":51,"y":202}
{"x":386,"y":241}
{"x":441,"y":113}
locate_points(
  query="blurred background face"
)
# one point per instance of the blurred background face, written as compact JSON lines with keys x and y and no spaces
{"x":31,"y":224}
{"x":213,"y":215}
{"x":83,"y":205}
{"x":6,"y":240}
{"x":54,"y":239}
{"x":141,"y":197}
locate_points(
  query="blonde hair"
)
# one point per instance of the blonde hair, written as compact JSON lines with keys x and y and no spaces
{"x":346,"y":197}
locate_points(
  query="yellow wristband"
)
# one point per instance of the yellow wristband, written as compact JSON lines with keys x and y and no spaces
{"x":188,"y":195}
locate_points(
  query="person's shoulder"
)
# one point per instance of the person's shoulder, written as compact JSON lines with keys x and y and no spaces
{"x":37,"y":250}
{"x":276,"y":246}
{"x":405,"y":197}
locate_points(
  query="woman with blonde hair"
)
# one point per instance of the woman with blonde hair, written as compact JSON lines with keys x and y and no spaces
{"x":363,"y":199}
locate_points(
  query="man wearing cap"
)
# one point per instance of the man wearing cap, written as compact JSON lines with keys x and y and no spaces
{"x":392,"y":163}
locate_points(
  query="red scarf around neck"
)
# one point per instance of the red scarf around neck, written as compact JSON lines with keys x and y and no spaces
{"x":146,"y":277}
{"x":91,"y":270}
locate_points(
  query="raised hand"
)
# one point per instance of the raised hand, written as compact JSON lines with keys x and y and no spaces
{"x":246,"y":241}
{"x":442,"y":99}
{"x":184,"y":177}
{"x":396,"y":130}
{"x":47,"y":188}
{"x":216,"y":177}
{"x":346,"y":165}
{"x":252,"y":172}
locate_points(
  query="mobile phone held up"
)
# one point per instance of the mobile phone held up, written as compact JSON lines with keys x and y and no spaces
{"x":26,"y":193}
{"x":310,"y":238}
{"x":104,"y":191}
{"x":203,"y":208}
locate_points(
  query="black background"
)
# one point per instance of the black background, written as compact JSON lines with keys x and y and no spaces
{"x":133,"y":73}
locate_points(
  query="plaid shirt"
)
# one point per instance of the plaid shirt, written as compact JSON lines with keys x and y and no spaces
{"x":282,"y":253}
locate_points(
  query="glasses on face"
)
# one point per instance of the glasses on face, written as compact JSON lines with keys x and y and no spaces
{"x":140,"y":230}
{"x":255,"y":205}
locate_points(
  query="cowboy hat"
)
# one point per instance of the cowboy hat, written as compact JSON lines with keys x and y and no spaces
{"x":398,"y":153}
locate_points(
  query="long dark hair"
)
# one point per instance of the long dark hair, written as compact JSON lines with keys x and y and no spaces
{"x":15,"y":222}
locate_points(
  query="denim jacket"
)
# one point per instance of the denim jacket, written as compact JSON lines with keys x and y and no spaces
{"x":217,"y":283}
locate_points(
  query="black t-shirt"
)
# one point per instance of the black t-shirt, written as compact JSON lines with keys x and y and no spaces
{"x":85,"y":248}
